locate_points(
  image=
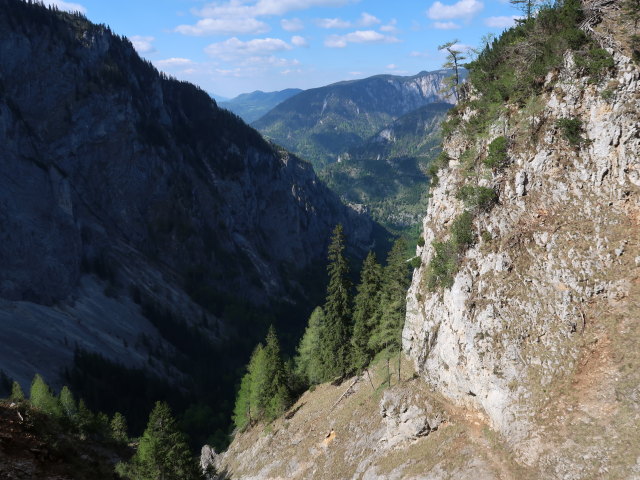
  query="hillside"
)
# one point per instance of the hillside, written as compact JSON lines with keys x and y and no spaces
{"x":321,"y":124}
{"x":251,"y":106}
{"x":522,"y":319}
{"x":143,"y":229}
{"x":388,"y":172}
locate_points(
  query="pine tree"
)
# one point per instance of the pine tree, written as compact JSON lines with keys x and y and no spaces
{"x":527,"y":7}
{"x":242,"y":409}
{"x":84,"y":419}
{"x":68,"y":403}
{"x":366,"y":304}
{"x":388,"y":333}
{"x":257,"y":371}
{"x":277,"y":395}
{"x":308,"y":361}
{"x":454,"y":61}
{"x":119,"y":428}
{"x":17,"y":395}
{"x":41,"y":397}
{"x":335,"y":331}
{"x":163,"y":453}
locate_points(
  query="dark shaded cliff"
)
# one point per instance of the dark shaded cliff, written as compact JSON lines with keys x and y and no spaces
{"x":136,"y":215}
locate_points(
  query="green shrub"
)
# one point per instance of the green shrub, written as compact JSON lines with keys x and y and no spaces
{"x":421,"y":241}
{"x":441,"y":161}
{"x":480,"y":198}
{"x":571,"y":129}
{"x":595,"y":63}
{"x":497,"y":157}
{"x":446,"y":259}
{"x":462,"y":231}
{"x":415,"y":262}
{"x":443,"y":265}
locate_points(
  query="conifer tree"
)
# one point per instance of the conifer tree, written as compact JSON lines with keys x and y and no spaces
{"x":276,"y":394}
{"x":163,"y":453}
{"x":365,"y":306}
{"x":242,"y":409}
{"x":41,"y":397}
{"x":68,"y":403}
{"x":17,"y":395}
{"x":455,"y":57}
{"x":263,"y":393}
{"x":308,"y":361}
{"x":388,"y":333}
{"x":119,"y":428}
{"x":335,"y":331}
{"x":525,"y":6}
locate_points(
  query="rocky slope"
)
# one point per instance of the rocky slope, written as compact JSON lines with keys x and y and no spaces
{"x":528,"y":365}
{"x":322,"y":123}
{"x":251,"y":106}
{"x":133,"y":210}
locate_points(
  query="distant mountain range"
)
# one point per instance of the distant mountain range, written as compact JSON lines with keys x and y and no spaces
{"x":252,"y":106}
{"x":321,"y":124}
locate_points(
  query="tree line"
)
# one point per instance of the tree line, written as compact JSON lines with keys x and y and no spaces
{"x":161,"y":452}
{"x":342,"y":336}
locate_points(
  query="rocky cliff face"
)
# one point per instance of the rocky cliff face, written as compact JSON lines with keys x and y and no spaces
{"x":121,"y":188}
{"x":536,"y":332}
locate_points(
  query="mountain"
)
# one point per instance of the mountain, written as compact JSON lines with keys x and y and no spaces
{"x":521,"y":333}
{"x":251,"y":106}
{"x":388,"y":171}
{"x":143,"y":230}
{"x":323,"y":123}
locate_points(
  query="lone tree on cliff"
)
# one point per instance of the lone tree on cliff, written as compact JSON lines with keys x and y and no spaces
{"x":455,"y":57}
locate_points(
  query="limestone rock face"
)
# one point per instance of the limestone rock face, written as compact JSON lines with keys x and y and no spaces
{"x":532,"y":333}
{"x":120,"y":187}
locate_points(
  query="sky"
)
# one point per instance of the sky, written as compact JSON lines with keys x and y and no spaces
{"x":228,"y":47}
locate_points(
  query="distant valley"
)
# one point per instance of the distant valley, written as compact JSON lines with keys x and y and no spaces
{"x":369,"y":139}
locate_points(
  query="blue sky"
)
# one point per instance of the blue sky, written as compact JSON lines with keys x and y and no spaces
{"x":230,"y":47}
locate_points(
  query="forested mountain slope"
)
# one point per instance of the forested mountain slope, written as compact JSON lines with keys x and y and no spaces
{"x":389,"y":171}
{"x":323,"y":123}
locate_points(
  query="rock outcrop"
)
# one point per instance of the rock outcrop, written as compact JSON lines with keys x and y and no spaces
{"x":122,"y":190}
{"x":536,"y":332}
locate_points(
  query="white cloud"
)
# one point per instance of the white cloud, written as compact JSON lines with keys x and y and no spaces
{"x":417,"y":54}
{"x":299,"y":41}
{"x":233,"y":47}
{"x":174,"y":62}
{"x":143,"y":44}
{"x":390,"y":27}
{"x":501,"y":22}
{"x":224,"y":26}
{"x":392,"y":66}
{"x":368,"y":20}
{"x":255,"y":8}
{"x":446,"y":25}
{"x":291,"y":25}
{"x":66,"y":6}
{"x":359,"y":36}
{"x":461,"y":9}
{"x":332,"y":23}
